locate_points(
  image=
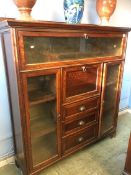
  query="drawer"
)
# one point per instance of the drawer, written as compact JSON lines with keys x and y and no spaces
{"x":80,"y":122}
{"x":80,"y":107}
{"x":77,"y":140}
{"x":81,"y":81}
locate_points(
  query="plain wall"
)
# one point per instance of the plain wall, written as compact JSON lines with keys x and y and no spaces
{"x":52,"y":10}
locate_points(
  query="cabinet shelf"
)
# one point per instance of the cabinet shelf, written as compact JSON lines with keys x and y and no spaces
{"x":48,"y":90}
{"x":41,"y":127}
{"x":62,"y":56}
{"x":37,"y":97}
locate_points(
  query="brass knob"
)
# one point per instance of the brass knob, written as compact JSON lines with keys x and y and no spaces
{"x":81,"y":123}
{"x":115,"y":46}
{"x":83,"y":68}
{"x":82,"y":108}
{"x":80,"y":139}
{"x":85,"y":36}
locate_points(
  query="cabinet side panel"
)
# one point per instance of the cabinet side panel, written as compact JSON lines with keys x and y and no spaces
{"x":14,"y":100}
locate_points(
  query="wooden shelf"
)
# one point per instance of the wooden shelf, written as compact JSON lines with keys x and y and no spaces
{"x":44,"y":148}
{"x":41,"y":127}
{"x":37,"y":97}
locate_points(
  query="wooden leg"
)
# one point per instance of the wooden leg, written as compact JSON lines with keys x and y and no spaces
{"x":113,"y":134}
{"x":124,"y":173}
{"x":17,"y":165}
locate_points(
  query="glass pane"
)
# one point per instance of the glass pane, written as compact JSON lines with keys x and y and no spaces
{"x":109,"y":101}
{"x":49,"y":49}
{"x":42,"y":99}
{"x":79,"y":81}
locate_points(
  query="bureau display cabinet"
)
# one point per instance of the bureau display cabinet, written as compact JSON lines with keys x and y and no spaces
{"x":64,"y":86}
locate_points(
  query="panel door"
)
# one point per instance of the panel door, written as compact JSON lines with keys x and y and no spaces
{"x":43,"y":118}
{"x":40,"y":48}
{"x":110,"y":96}
{"x":81,"y":81}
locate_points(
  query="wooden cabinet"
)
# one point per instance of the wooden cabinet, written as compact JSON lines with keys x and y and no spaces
{"x":64,"y":87}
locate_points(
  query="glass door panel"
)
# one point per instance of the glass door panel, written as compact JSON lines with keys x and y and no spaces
{"x":40,"y":49}
{"x":84,"y":80}
{"x":79,"y":81}
{"x":43,"y":121}
{"x":110,"y":94}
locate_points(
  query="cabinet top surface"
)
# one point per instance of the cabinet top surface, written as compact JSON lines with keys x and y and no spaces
{"x":12,"y":23}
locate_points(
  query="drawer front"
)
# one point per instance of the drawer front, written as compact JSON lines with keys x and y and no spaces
{"x":80,"y":107}
{"x":75,"y":141}
{"x":81,"y":81}
{"x":81,"y":122}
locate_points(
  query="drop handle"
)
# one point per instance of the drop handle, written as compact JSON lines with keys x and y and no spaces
{"x":81,"y":123}
{"x":80,"y":139}
{"x":82,"y":108}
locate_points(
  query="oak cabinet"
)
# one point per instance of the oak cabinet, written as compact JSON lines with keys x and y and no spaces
{"x":64,"y":87}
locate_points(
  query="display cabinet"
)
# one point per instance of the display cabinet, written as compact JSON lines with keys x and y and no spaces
{"x":64,"y":86}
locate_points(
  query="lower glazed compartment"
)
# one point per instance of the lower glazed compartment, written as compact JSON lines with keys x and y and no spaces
{"x":75,"y":141}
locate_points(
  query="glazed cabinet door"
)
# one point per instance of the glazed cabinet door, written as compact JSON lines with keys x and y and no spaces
{"x":38,"y":49}
{"x":110,"y":96}
{"x":42,"y":113}
{"x":81,"y":81}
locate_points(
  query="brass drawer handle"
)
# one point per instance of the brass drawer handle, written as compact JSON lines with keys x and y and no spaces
{"x":80,"y":139}
{"x":82,"y":108}
{"x":81,"y":123}
{"x":83,"y":68}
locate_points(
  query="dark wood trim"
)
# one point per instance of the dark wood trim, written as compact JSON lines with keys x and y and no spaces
{"x":61,"y":25}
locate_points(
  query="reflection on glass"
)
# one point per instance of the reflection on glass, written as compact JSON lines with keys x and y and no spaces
{"x":49,"y":49}
{"x":42,"y":99}
{"x":109,"y":101}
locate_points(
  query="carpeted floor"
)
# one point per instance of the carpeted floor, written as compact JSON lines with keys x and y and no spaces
{"x":106,"y":157}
